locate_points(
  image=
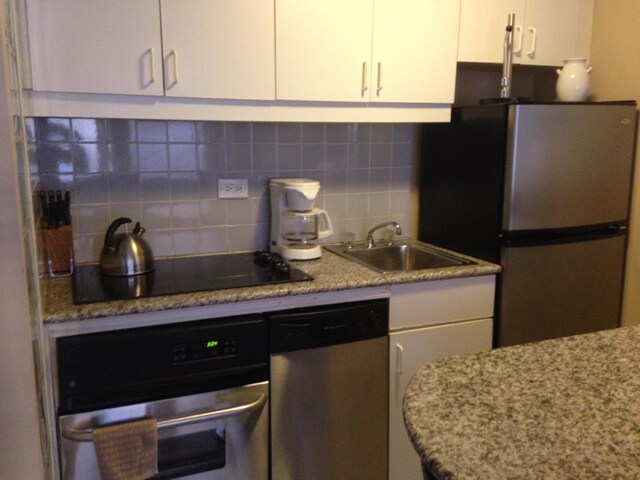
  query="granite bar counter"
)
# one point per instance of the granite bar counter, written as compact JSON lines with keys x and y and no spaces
{"x":559,"y":409}
{"x":331,"y":273}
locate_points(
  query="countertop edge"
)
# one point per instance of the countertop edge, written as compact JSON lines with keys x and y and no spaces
{"x":331,"y":273}
{"x":562,"y":408}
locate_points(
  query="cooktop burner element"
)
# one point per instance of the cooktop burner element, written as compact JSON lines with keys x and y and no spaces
{"x":186,"y":275}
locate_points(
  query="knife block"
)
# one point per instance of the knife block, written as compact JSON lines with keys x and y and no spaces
{"x":58,"y":249}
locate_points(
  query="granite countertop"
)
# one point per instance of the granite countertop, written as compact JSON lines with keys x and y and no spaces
{"x":559,"y":409}
{"x":331,"y":273}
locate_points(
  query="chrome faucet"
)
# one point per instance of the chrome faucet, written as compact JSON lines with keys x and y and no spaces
{"x":396,"y":225}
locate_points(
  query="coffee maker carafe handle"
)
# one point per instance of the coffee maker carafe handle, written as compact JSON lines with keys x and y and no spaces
{"x":324,"y":223}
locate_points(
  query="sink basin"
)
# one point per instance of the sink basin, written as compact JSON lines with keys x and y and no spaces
{"x":402,"y":255}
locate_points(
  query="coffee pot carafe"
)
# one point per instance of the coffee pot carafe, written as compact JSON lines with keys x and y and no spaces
{"x":306,"y":227}
{"x":296,"y":225}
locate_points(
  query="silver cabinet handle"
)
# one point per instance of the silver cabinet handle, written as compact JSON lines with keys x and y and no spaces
{"x":517,"y":48}
{"x":399,"y":354}
{"x":152,"y":68}
{"x":379,"y":79}
{"x":173,"y":55}
{"x":86,"y":435}
{"x":364,"y":85}
{"x":534,"y":37}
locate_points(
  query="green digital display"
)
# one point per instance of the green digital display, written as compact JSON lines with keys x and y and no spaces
{"x":205,"y":349}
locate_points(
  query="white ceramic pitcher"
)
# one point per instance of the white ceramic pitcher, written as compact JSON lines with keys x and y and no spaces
{"x":573,"y":80}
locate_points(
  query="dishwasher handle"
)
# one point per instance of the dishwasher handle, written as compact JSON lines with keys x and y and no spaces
{"x":86,"y":435}
{"x":326,"y":325}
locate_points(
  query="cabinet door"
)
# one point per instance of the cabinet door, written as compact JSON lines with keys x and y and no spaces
{"x":323,"y":50}
{"x":98,"y":46}
{"x":410,"y":350}
{"x":550,"y":32}
{"x":414,"y":50}
{"x":482,"y":28}
{"x":547,"y":31}
{"x":222,"y":49}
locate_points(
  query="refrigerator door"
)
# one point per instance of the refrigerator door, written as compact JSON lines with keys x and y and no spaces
{"x":554,"y":290}
{"x":568,"y":165}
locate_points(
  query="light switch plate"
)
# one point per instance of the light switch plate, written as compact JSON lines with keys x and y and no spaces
{"x":233,"y":188}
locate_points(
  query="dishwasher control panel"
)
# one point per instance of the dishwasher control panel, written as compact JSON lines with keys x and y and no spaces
{"x":328,"y":325}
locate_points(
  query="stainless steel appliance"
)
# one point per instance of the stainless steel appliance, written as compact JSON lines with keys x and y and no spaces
{"x":185,"y":275}
{"x":205,"y":382}
{"x":329,"y":392}
{"x":125,"y":254}
{"x":544,"y":190}
{"x":296,"y":225}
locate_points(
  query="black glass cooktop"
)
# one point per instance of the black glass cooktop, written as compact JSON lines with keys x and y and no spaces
{"x":184,"y":275}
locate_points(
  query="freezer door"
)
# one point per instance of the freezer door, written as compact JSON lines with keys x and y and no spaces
{"x":568,"y":165}
{"x":552,"y":291}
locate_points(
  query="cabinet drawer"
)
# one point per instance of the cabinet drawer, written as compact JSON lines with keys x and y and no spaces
{"x":428,"y":303}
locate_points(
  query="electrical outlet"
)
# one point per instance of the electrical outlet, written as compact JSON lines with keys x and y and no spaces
{"x":233,"y":188}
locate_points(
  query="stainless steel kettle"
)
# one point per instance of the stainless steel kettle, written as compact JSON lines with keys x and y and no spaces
{"x":125,"y":254}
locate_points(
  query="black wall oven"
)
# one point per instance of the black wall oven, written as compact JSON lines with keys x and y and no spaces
{"x":204,"y":382}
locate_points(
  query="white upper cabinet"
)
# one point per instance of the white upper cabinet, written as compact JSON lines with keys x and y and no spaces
{"x":546,"y":31}
{"x":244,"y":60}
{"x":323,"y":50}
{"x":209,"y":49}
{"x":366,"y":50}
{"x":219,"y":49}
{"x":109,"y":46}
{"x":414,"y":50}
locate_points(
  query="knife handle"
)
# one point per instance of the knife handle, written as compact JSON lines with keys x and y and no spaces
{"x":52,"y":218}
{"x":59,"y":208}
{"x":44,"y":213}
{"x":66,"y":212}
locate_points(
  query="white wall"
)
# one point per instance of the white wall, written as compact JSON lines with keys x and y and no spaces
{"x":615,"y":57}
{"x":20,"y":452}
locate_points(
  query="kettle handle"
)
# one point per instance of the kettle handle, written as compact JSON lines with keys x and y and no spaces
{"x":108,"y":237}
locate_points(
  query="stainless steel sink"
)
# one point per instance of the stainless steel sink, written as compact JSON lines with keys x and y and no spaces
{"x":401,"y":255}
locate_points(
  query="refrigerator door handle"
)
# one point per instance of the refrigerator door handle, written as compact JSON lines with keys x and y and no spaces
{"x":529,"y":238}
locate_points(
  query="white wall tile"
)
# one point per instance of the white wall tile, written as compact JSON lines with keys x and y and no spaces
{"x":185,"y":214}
{"x":165,"y":174}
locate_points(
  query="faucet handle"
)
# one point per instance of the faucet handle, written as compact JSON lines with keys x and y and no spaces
{"x":348,"y":238}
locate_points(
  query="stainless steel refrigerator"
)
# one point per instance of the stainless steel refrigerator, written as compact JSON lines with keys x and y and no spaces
{"x":544,"y":190}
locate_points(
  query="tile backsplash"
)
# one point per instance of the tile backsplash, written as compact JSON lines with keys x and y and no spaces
{"x":165,"y":175}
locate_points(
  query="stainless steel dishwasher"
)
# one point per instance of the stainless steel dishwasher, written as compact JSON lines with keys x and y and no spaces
{"x":329,"y":392}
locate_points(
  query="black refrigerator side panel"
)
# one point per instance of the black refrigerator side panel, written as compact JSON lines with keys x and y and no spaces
{"x":462,"y":181}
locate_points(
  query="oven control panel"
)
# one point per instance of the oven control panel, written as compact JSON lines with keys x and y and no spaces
{"x":204,"y":349}
{"x":122,"y":367}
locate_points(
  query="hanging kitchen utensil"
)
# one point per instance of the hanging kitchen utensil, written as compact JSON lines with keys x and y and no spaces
{"x":507,"y":66}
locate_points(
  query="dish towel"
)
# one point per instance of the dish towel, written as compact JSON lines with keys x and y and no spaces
{"x":127,"y":451}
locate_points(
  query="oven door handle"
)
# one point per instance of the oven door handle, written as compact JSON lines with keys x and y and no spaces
{"x":86,"y":435}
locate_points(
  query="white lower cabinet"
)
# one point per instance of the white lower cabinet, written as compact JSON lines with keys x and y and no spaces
{"x":429,"y":321}
{"x":410,"y":350}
